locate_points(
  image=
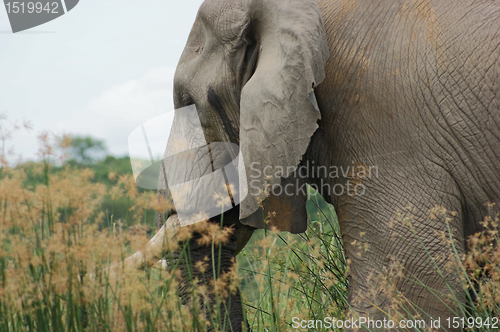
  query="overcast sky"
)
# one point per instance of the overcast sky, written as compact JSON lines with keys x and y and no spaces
{"x":102,"y":69}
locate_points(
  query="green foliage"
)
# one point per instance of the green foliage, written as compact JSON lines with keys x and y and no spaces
{"x":105,"y":171}
{"x":303,"y":275}
{"x":85,"y":149}
{"x":117,"y":165}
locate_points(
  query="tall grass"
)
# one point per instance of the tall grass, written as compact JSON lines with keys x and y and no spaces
{"x":304,"y":276}
{"x":60,"y":255}
{"x":56,"y":250}
{"x":57,"y":245}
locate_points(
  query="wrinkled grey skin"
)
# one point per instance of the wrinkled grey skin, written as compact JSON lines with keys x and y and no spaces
{"x":411,"y":87}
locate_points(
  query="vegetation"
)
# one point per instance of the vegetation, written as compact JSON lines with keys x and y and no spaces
{"x":65,"y":229}
{"x":285,"y":275}
{"x":82,"y":154}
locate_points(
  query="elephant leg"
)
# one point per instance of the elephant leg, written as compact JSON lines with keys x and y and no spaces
{"x":399,"y":252}
{"x":197,"y":262}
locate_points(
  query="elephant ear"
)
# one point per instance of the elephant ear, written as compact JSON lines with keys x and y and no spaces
{"x":278,"y":110}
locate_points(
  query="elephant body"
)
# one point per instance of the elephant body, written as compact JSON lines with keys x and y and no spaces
{"x":407,"y":88}
{"x":413,"y":89}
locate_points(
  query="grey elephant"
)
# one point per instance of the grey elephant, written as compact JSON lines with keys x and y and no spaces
{"x":407,"y":88}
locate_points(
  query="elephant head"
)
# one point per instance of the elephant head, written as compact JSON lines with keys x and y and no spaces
{"x":399,"y":92}
{"x":250,"y":68}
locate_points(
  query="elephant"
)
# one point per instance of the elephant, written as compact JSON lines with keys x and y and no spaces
{"x":408,"y":89}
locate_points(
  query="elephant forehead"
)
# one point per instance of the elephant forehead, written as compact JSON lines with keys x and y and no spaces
{"x":225,"y":19}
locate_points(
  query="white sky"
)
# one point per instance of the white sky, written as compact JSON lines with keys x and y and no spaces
{"x":102,"y":69}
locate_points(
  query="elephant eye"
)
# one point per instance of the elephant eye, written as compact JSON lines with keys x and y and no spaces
{"x":186,"y":99}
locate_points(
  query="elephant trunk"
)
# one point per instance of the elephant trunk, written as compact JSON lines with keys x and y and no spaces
{"x":211,"y":268}
{"x":204,"y":265}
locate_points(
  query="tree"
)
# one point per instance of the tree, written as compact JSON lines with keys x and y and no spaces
{"x":86,"y":149}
